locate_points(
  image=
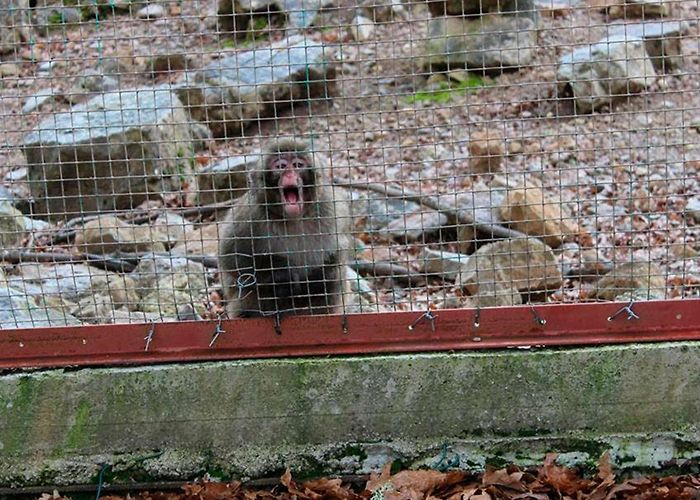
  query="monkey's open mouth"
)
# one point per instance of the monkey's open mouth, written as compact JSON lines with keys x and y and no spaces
{"x":292,"y":200}
{"x":291,"y":194}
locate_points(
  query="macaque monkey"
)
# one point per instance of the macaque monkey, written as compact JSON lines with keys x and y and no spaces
{"x":284,"y":245}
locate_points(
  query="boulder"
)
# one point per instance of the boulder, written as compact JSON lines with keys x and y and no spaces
{"x":447,"y":265}
{"x":521,"y":264}
{"x":13,"y":226}
{"x":644,"y":280}
{"x":112,"y":152}
{"x":224,"y":180}
{"x":109,"y":234}
{"x":525,"y":8}
{"x":662,"y":41}
{"x":531,"y":210}
{"x":598,"y":74}
{"x":237,"y":90}
{"x":491,"y":42}
{"x":238,"y":17}
{"x":15,"y":20}
{"x":19,"y":310}
{"x":645,"y":9}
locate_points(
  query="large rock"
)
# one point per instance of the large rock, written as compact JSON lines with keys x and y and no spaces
{"x":598,"y":74}
{"x":447,"y":265}
{"x":239,"y":16}
{"x":522,"y":264}
{"x":155,"y":266}
{"x":54,"y":17}
{"x":239,"y":89}
{"x":644,"y":9}
{"x":477,"y":7}
{"x":377,"y":211}
{"x":13,"y":226}
{"x":108,"y":153}
{"x":183,"y":286}
{"x":224,"y":180}
{"x":202,"y":241}
{"x":362,"y":28}
{"x":530,"y":210}
{"x":15,"y":24}
{"x":384,"y":11}
{"x":486,"y":150}
{"x":662,"y":41}
{"x":692,"y":210}
{"x":73,"y":282}
{"x":19,"y":310}
{"x":108,"y":234}
{"x":641,"y":279}
{"x":492,"y":42}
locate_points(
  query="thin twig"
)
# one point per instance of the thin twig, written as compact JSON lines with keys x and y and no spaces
{"x":206,"y":260}
{"x":454,"y":214}
{"x":100,"y":261}
{"x":397,"y":272}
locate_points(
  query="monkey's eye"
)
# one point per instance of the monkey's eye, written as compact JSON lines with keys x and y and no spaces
{"x":280,"y":164}
{"x":298,"y":163}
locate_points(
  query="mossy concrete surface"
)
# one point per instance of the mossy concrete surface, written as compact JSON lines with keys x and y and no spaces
{"x":349,"y":415}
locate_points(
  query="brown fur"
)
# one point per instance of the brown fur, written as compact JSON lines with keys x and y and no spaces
{"x":298,"y":263}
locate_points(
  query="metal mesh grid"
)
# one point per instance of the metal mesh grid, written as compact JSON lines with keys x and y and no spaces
{"x":465,"y":154}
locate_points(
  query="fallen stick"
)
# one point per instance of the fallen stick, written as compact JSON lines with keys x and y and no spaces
{"x":388,"y":270}
{"x":99,"y":261}
{"x":461,"y":216}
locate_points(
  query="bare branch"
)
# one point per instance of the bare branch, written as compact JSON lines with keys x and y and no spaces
{"x":454,"y":214}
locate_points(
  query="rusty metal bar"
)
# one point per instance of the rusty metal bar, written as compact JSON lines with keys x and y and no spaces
{"x":455,"y":329}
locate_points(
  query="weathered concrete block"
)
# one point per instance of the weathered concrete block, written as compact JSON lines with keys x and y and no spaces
{"x":235,"y":91}
{"x":351,"y":415}
{"x":492,"y":42}
{"x":111,"y":152}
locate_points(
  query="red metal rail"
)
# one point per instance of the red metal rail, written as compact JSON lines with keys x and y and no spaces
{"x":455,"y":329}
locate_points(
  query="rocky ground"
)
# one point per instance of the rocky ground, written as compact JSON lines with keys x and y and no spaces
{"x":613,"y":191}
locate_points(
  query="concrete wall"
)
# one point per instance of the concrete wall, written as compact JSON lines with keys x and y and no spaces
{"x":319,"y":415}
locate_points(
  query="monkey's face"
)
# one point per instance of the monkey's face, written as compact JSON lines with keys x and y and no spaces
{"x":289,"y":183}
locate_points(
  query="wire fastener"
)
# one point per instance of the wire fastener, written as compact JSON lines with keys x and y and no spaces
{"x":538,"y":320}
{"x":426,"y":315}
{"x":149,"y":337}
{"x":628,"y":309}
{"x":218,"y":330}
{"x":278,"y":323}
{"x":245,"y":280}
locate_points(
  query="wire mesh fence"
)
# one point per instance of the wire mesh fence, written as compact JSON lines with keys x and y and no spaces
{"x":167,"y":161}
